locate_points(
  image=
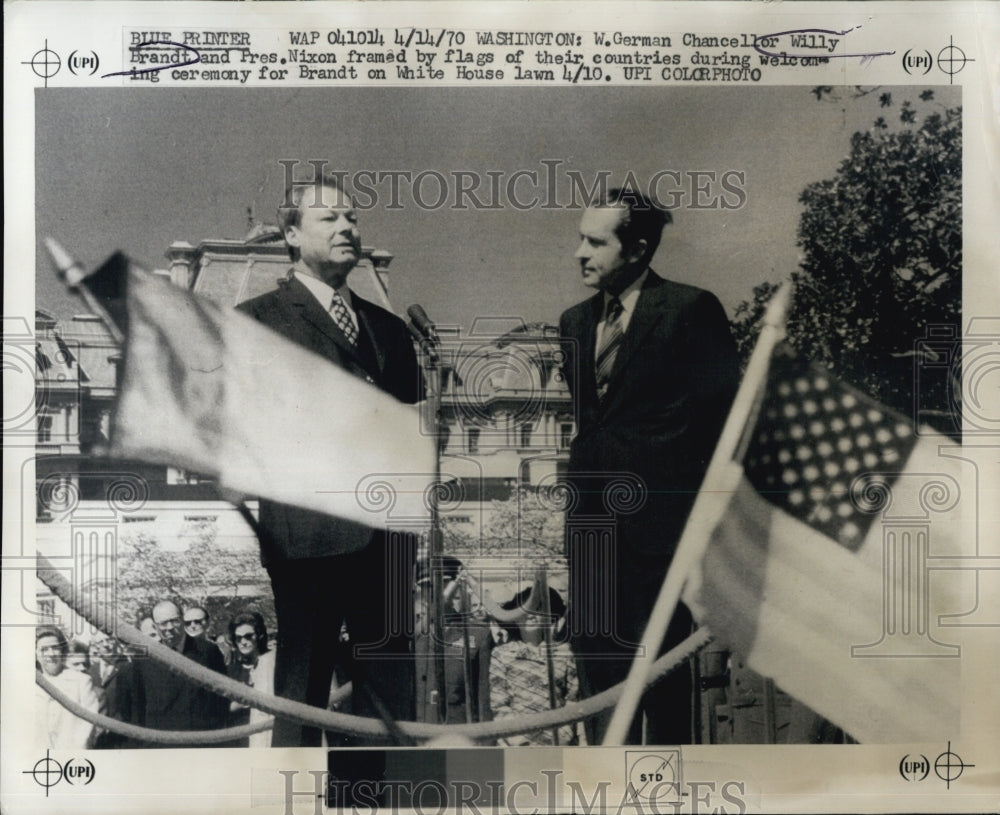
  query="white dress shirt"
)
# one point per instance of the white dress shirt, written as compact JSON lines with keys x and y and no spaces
{"x":324,"y":294}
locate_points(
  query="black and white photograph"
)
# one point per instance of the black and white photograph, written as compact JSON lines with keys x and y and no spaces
{"x":622,"y":437}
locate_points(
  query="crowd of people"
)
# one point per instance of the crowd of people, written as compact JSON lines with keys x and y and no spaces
{"x":514,"y":655}
{"x":104,"y":676}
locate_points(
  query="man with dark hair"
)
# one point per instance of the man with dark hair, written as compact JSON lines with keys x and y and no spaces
{"x":652,"y":369}
{"x":326,"y":570}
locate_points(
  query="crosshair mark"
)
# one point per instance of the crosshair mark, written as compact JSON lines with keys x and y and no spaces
{"x":951,"y":767}
{"x":43,"y":772}
{"x":45,"y":63}
{"x":951,"y":59}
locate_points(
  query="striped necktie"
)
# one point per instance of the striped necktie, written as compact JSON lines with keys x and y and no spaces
{"x":611,"y":340}
{"x":341,"y":316}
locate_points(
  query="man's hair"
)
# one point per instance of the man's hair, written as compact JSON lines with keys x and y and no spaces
{"x":81,"y":648}
{"x":163,"y":604}
{"x":645,"y":219}
{"x":197,"y":608}
{"x":290,"y":212}
{"x":52,"y":631}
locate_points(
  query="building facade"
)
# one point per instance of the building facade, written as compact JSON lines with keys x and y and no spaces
{"x":505,"y":426}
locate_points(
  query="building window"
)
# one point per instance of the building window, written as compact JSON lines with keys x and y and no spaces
{"x":47,"y":609}
{"x":177,"y":476}
{"x":44,"y":427}
{"x":473,"y":440}
{"x":565,"y":435}
{"x":526,"y":429}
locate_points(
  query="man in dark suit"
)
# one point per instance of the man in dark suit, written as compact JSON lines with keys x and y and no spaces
{"x":326,"y":570}
{"x":164,"y":700}
{"x":112,"y":674}
{"x":652,"y":369}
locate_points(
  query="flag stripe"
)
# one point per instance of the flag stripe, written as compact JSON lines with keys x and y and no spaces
{"x":794,"y":604}
{"x":816,"y":568}
{"x":158,"y":397}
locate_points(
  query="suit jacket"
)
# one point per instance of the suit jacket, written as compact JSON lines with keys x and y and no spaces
{"x":165,"y":701}
{"x":671,"y":387}
{"x":384,"y":356}
{"x":115,"y":693}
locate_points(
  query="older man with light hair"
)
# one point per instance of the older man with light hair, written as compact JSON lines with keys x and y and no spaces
{"x":166,"y":701}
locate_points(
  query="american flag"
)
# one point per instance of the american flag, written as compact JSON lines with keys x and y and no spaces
{"x":823,"y":451}
{"x":815,"y":570}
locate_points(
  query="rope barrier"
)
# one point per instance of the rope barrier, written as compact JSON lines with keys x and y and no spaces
{"x":179,"y":738}
{"x":93,"y":611}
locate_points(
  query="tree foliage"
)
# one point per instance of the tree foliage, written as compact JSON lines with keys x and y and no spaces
{"x":746,"y":319}
{"x":221,"y":579}
{"x":881,"y":259}
{"x":524,"y":529}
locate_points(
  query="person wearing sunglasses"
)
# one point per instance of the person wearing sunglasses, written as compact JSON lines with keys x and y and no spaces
{"x":196,"y":622}
{"x":252,"y":664}
{"x":167,"y":701}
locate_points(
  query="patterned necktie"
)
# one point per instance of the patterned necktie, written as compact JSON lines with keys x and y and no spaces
{"x":611,"y":340}
{"x":341,"y":316}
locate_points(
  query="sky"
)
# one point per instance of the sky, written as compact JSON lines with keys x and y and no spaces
{"x":137,"y":169}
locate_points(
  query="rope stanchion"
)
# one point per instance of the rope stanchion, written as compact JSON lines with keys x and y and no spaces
{"x":93,"y":610}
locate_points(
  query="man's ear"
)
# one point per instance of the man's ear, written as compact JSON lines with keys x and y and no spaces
{"x":292,"y":236}
{"x":638,"y":250}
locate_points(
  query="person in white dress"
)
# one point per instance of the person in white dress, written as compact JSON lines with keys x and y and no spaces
{"x":60,"y":728}
{"x":253,"y":664}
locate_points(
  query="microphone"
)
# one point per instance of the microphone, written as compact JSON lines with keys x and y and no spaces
{"x":423,"y":324}
{"x":415,"y":332}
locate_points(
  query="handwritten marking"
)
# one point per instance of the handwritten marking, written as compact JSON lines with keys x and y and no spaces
{"x":169,"y":44}
{"x":864,"y":57}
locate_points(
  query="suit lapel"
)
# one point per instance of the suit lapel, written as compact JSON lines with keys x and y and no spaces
{"x":302,"y":302}
{"x":588,"y":345}
{"x":365,"y":323}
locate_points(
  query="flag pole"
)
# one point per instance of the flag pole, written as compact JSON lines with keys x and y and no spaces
{"x":75,"y":276}
{"x":431,"y":361}
{"x":718,"y":484}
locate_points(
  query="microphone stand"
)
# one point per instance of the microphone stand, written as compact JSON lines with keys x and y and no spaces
{"x":431,"y":359}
